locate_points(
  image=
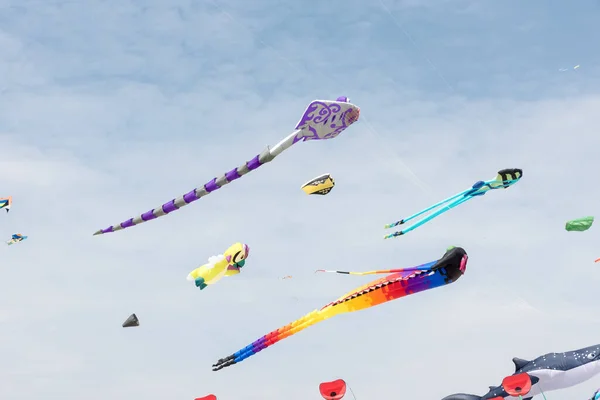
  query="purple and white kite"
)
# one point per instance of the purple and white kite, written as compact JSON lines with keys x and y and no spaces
{"x":323,"y":119}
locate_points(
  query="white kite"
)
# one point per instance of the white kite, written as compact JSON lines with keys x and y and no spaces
{"x":566,"y":69}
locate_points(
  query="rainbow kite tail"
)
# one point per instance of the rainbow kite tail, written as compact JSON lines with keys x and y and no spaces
{"x":270,"y":339}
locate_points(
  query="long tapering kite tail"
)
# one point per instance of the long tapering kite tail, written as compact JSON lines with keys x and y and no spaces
{"x":270,"y":339}
{"x":323,"y":119}
{"x":376,"y":272}
{"x":402,"y":283}
{"x":505,"y":179}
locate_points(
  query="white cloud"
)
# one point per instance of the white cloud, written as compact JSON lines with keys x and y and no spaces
{"x":109,"y":110}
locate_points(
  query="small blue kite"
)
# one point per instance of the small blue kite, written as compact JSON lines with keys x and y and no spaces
{"x":16,"y":238}
{"x":505,"y":179}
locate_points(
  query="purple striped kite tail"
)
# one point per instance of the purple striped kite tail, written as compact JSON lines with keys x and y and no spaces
{"x":193,"y":195}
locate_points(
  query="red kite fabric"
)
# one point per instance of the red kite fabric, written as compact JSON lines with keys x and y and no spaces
{"x":333,"y":390}
{"x":517,"y":385}
{"x":209,"y":397}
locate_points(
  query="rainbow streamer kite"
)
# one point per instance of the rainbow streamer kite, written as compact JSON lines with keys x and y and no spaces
{"x":402,"y":282}
{"x":323,"y":119}
{"x":505,"y":179}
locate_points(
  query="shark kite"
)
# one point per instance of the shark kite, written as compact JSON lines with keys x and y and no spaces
{"x":323,"y":119}
{"x":552,"y":371}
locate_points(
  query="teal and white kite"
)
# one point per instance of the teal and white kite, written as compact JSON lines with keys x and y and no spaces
{"x":505,"y":179}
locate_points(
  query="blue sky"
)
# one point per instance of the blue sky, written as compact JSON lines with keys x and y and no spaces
{"x":109,"y":108}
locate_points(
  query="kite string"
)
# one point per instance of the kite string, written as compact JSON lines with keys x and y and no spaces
{"x":415,"y":179}
{"x":236,"y":21}
{"x":542,"y":391}
{"x":352,"y":391}
{"x":411,"y":175}
{"x":429,"y":61}
{"x":416,"y":46}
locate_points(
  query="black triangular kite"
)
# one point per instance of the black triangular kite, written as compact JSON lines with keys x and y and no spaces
{"x":131,"y":321}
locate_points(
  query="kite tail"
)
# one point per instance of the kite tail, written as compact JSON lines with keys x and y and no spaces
{"x":270,"y":339}
{"x":429,"y":217}
{"x":195,"y":194}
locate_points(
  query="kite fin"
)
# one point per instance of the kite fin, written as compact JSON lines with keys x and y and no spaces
{"x":231,"y":272}
{"x":519,"y":363}
{"x":200,"y":283}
